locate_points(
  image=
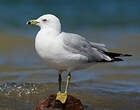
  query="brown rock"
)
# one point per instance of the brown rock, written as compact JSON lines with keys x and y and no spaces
{"x":50,"y":103}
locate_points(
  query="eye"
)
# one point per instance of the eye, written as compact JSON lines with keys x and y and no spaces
{"x":44,"y":20}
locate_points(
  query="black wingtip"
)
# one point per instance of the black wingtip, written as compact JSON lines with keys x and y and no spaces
{"x":112,"y":55}
{"x":127,"y":55}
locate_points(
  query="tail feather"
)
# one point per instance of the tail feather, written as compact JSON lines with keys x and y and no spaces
{"x":116,"y":59}
{"x":113,"y":60}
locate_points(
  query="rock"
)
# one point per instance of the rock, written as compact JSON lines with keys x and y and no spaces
{"x":50,"y":103}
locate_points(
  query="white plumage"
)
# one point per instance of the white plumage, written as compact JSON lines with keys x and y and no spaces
{"x":67,"y":51}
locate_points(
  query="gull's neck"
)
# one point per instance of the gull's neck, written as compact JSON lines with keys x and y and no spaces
{"x":54,"y":27}
{"x":51,"y":31}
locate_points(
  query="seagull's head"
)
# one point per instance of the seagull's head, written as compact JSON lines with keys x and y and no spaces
{"x":47,"y":21}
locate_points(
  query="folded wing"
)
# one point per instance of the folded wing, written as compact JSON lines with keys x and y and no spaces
{"x":79,"y":45}
{"x":95,"y":52}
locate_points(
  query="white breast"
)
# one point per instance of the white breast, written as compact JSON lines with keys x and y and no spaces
{"x":50,"y":49}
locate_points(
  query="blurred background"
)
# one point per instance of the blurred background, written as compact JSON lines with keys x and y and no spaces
{"x":24,"y":78}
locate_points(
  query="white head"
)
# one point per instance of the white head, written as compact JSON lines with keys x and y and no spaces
{"x":47,"y":21}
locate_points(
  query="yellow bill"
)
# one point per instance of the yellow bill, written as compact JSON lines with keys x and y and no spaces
{"x":32,"y":22}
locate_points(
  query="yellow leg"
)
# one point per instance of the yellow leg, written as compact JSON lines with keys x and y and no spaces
{"x":68,"y":81}
{"x":62,"y":97}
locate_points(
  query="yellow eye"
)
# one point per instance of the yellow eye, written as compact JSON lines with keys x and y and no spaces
{"x":44,"y":20}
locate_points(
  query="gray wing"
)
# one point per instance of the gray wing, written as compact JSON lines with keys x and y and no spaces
{"x":99,"y":46}
{"x":79,"y":45}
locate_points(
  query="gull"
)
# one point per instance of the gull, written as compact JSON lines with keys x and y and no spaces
{"x":67,"y":51}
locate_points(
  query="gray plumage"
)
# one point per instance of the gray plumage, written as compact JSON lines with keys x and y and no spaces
{"x":79,"y":45}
